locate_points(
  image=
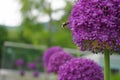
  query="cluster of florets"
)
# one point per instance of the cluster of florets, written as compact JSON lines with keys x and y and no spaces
{"x":80,"y":69}
{"x":50,"y":51}
{"x":35,"y":73}
{"x":19,"y":62}
{"x":22,"y":73}
{"x":58,"y":59}
{"x":32,"y":66}
{"x":95,"y":25}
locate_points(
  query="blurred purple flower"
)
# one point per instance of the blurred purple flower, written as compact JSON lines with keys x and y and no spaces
{"x":50,"y":51}
{"x":35,"y":73}
{"x":32,"y":66}
{"x":58,"y":59}
{"x":95,"y":25}
{"x":80,"y":69}
{"x":19,"y":62}
{"x":22,"y":73}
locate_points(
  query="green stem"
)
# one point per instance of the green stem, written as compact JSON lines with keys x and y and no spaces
{"x":106,"y":65}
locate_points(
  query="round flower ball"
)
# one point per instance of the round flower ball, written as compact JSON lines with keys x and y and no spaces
{"x":19,"y":62}
{"x":58,"y":59}
{"x":50,"y":51}
{"x":35,"y":73}
{"x":22,"y":73}
{"x":80,"y":69}
{"x":32,"y":66}
{"x":95,"y":25}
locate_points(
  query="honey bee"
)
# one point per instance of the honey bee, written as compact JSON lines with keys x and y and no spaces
{"x":65,"y":24}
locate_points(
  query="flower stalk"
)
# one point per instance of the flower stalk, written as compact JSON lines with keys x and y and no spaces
{"x":106,"y":65}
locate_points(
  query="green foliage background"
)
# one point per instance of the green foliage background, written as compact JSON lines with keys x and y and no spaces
{"x":31,"y":31}
{"x":37,"y":33}
{"x":3,"y":37}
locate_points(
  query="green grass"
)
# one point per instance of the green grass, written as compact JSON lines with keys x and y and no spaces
{"x":115,"y":77}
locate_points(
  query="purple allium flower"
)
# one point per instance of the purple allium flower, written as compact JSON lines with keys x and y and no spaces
{"x":19,"y":62}
{"x":22,"y":73}
{"x":32,"y":66}
{"x":58,"y":59}
{"x":35,"y":73}
{"x":50,"y":51}
{"x":95,"y":24}
{"x":80,"y":69}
